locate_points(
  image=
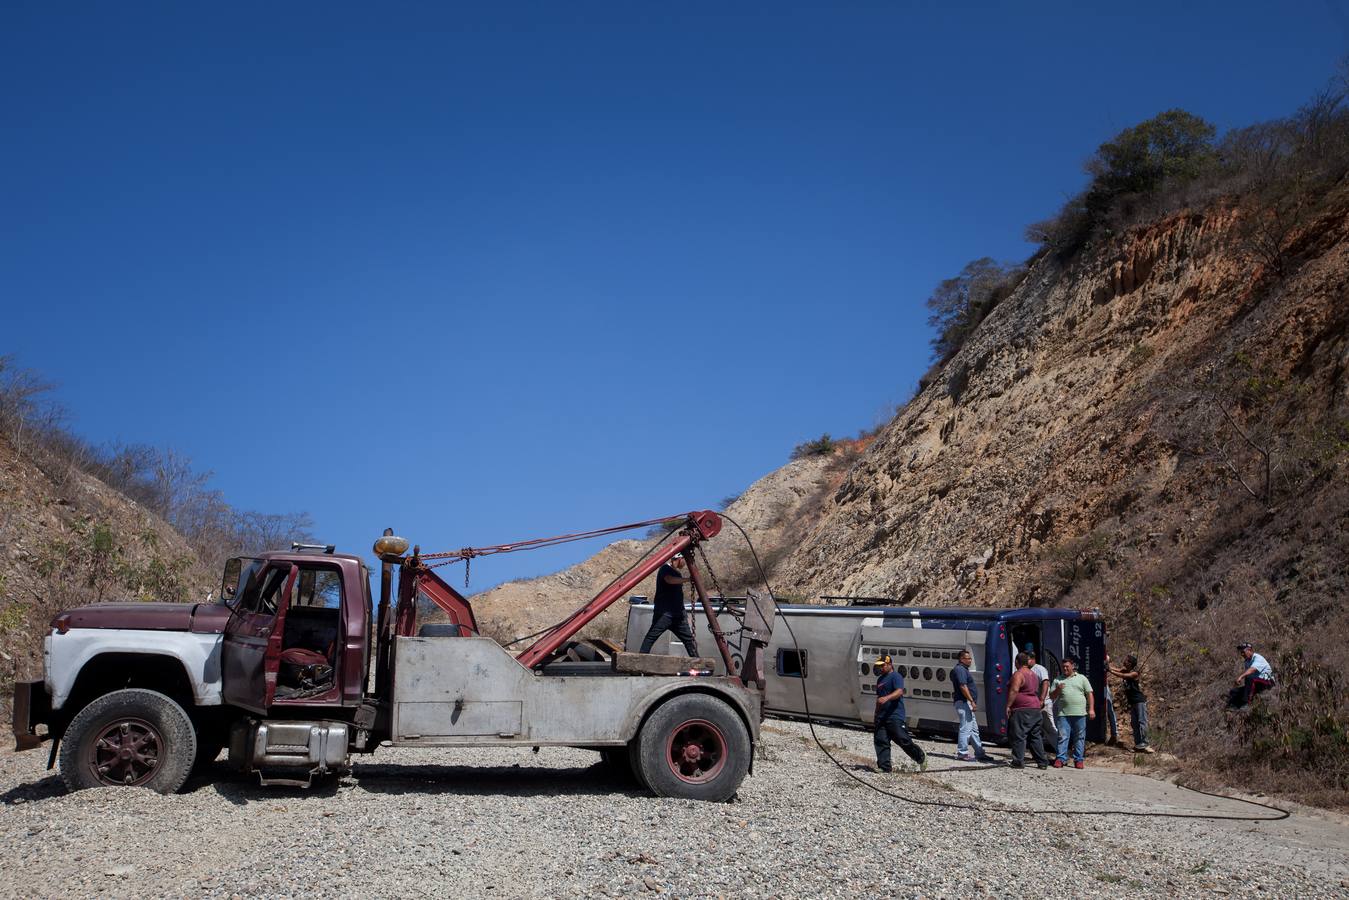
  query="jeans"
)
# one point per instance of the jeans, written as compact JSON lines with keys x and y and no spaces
{"x":663,"y":622}
{"x":1139,"y":713}
{"x":1025,"y":726}
{"x":1111,"y":723}
{"x":1076,"y":727}
{"x":969,"y":730}
{"x":894,"y":729}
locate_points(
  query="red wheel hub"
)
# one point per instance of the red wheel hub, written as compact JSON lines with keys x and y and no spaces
{"x":126,"y":752}
{"x":696,"y":751}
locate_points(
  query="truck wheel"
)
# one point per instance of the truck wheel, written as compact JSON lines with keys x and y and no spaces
{"x":694,"y":747}
{"x":129,"y":737}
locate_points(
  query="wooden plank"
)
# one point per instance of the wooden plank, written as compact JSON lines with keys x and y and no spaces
{"x":659,"y":664}
{"x":610,"y":648}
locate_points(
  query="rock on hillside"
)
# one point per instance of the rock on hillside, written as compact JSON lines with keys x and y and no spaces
{"x":66,"y":538}
{"x":772,"y":510}
{"x":1102,"y":439}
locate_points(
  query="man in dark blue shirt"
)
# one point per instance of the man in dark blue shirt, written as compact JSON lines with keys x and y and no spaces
{"x":669,"y":614}
{"x":890,"y":719}
{"x":965,"y":694}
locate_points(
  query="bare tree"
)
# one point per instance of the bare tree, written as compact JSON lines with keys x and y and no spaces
{"x":21,"y":393}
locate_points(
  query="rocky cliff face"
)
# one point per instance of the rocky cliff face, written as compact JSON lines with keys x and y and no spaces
{"x":1102,"y":401}
{"x":1159,"y":429}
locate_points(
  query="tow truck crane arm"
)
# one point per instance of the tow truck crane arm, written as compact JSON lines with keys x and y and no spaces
{"x":699,"y":526}
{"x":418,"y":579}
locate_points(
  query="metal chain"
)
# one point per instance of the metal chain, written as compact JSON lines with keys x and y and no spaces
{"x":707,"y":564}
{"x":738,"y":617}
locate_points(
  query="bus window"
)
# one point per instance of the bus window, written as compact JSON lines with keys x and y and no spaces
{"x":792,"y":663}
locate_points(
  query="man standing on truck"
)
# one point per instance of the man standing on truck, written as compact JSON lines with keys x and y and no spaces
{"x":669,"y":613}
{"x":891,"y":723}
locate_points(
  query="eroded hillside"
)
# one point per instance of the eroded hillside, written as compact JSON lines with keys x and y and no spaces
{"x":1159,"y":429}
{"x":66,"y":539}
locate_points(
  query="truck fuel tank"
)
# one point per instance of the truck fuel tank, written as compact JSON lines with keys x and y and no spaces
{"x":288,"y":753}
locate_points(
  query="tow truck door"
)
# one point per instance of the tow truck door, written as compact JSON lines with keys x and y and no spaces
{"x":251,"y":650}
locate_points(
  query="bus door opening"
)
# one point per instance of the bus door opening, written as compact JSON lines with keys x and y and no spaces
{"x":1030,"y":637}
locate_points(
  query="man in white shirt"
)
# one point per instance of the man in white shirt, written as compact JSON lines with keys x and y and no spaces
{"x":1256,"y":676}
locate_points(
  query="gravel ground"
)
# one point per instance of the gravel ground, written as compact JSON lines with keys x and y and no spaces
{"x":508,"y":823}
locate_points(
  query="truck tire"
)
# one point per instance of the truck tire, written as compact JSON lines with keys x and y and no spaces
{"x":635,"y":764}
{"x":694,"y":747}
{"x":129,"y":737}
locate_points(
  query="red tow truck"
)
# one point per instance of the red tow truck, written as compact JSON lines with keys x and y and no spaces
{"x":295,"y":668}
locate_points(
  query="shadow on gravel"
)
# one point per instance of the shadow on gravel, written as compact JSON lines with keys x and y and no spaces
{"x":42,"y":789}
{"x":393,"y":778}
{"x":241,"y":790}
{"x":520,"y":781}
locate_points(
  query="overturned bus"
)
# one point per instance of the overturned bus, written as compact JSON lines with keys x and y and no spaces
{"x":825,"y":672}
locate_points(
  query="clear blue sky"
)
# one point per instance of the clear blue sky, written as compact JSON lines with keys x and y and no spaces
{"x":495,"y":271}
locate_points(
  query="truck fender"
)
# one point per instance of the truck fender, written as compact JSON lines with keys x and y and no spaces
{"x":68,"y":655}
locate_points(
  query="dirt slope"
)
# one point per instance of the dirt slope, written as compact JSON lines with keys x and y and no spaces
{"x":66,"y":539}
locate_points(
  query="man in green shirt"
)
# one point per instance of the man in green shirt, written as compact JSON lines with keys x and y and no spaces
{"x":1074,"y":705}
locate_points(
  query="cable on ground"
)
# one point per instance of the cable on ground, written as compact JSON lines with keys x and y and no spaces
{"x":996,"y":808}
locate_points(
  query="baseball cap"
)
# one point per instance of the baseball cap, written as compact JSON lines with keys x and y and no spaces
{"x":1245,"y":645}
{"x":882,"y":659}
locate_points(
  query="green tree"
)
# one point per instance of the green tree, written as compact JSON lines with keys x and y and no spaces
{"x":820,"y":446}
{"x":1169,"y":149}
{"x":959,"y":304}
{"x":1162,"y":153}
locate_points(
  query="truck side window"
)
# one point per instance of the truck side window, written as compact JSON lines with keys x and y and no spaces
{"x":319,"y":588}
{"x":269,"y":597}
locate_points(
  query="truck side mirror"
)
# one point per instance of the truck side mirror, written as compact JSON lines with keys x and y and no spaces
{"x":229,"y":584}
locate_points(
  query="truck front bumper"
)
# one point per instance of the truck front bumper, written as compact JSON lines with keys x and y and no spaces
{"x":32,"y":707}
